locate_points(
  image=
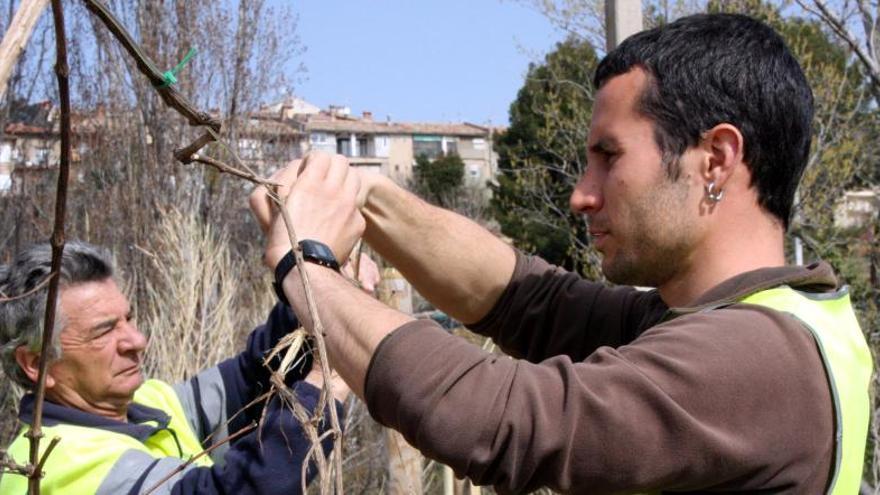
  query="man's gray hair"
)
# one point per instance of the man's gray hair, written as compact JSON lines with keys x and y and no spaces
{"x":21,"y":319}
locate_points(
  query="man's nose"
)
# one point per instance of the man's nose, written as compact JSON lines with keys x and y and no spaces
{"x":133,"y":340}
{"x":586,"y":198}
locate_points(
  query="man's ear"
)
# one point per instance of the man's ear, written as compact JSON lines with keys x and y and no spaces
{"x":725,"y":146}
{"x":29,"y":362}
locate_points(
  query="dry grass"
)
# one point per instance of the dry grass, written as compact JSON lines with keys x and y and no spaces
{"x":200,"y":300}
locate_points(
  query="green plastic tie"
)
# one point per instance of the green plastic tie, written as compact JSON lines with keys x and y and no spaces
{"x":169,"y":75}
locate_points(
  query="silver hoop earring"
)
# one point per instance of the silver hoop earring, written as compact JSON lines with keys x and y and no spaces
{"x":713,"y":196}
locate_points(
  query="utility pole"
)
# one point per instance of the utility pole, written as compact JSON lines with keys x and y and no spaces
{"x":623,"y":18}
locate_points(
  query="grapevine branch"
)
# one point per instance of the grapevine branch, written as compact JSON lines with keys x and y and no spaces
{"x":35,"y":432}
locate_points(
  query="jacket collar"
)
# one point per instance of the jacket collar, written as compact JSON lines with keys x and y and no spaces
{"x":143,"y":421}
{"x":817,"y":277}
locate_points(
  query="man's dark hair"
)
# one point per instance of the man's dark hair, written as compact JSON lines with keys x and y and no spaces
{"x":709,"y":69}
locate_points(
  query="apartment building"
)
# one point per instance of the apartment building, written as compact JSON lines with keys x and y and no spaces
{"x":857,"y":209}
{"x":29,"y":143}
{"x":272,"y":136}
{"x":386,"y":147}
{"x":391,"y":148}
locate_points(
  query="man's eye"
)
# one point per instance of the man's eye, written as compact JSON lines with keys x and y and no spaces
{"x":611,"y":156}
{"x":100,"y":332}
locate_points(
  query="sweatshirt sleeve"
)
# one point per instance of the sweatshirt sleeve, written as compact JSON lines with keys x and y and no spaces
{"x":693,"y":403}
{"x":245,"y":377}
{"x":546,"y":311}
{"x":219,"y":393}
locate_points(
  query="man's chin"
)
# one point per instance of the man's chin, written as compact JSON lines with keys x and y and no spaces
{"x":614,"y":271}
{"x":131,"y":383}
{"x":622,"y":272}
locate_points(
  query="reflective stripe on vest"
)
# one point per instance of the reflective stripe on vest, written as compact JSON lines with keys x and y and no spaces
{"x":848,"y":367}
{"x":160,"y":395}
{"x":85,"y":455}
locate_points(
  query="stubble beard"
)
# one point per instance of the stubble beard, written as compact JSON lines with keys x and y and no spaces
{"x":658,"y":242}
{"x":647,"y":265}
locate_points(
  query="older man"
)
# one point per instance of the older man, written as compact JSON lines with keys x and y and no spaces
{"x":738,"y":374}
{"x":121,"y":434}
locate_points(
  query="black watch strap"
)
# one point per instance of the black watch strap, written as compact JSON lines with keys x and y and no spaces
{"x":281,"y":270}
{"x":313,"y":252}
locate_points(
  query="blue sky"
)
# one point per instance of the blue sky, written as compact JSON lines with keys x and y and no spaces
{"x":420,"y":60}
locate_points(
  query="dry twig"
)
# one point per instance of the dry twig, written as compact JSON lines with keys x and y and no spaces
{"x":318,"y":334}
{"x":222,"y":167}
{"x":9,"y":466}
{"x":310,"y":426}
{"x":36,"y":289}
{"x":35,"y":432}
{"x":263,"y":397}
{"x":198,"y":456}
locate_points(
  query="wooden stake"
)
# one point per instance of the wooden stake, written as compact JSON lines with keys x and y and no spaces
{"x":17,"y":36}
{"x":404,"y":461}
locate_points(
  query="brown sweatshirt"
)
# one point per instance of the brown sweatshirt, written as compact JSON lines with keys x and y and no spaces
{"x":610,"y":391}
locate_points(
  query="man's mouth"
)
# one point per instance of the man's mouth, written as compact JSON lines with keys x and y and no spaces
{"x":598,"y":236}
{"x":597,"y":231}
{"x":131,"y":370}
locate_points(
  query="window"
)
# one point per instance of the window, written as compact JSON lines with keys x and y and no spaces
{"x":451,"y":146}
{"x":270,"y":146}
{"x":479,"y":143}
{"x":5,"y":152}
{"x":382,"y":144}
{"x":430,"y":146}
{"x":318,"y":138}
{"x":249,"y":149}
{"x":41,"y":156}
{"x":343,"y":147}
{"x":366,"y":147}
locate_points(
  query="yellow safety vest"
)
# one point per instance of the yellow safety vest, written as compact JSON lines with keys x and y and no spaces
{"x":85,"y":455}
{"x":848,"y":366}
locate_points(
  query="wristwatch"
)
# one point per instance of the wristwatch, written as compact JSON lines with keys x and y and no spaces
{"x":313,"y":252}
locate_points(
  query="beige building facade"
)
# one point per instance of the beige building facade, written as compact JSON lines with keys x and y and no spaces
{"x":276,"y":134}
{"x":29,"y":142}
{"x":391,"y":148}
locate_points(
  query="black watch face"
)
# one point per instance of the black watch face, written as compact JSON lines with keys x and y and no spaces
{"x":323,"y":251}
{"x":319,"y":253}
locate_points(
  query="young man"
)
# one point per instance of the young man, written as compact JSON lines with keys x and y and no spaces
{"x":738,"y":373}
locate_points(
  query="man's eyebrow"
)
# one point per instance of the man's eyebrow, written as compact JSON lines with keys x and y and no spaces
{"x":604,"y":145}
{"x":104,"y":324}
